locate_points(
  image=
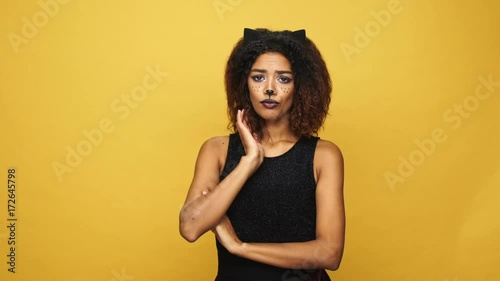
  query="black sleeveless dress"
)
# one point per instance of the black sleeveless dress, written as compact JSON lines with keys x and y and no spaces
{"x":277,"y":204}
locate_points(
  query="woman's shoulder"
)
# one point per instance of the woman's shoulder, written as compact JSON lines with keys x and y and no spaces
{"x":327,"y":158}
{"x":328,"y":149}
{"x":217,"y":143}
{"x":215,"y":149}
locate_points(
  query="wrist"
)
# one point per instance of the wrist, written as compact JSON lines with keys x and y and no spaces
{"x":240,"y":249}
{"x":251,"y":162}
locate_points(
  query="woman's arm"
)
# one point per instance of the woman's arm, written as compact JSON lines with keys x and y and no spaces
{"x":327,"y":249}
{"x":208,"y":199}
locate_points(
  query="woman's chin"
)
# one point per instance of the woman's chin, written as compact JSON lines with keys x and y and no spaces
{"x":272,"y":117}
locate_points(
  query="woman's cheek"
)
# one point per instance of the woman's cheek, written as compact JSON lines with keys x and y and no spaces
{"x":286,"y":90}
{"x":255,"y":89}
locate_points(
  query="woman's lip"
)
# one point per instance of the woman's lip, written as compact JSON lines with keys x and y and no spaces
{"x":270,"y":105}
{"x":270,"y":101}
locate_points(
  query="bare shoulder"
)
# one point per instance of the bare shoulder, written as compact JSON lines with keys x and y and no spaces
{"x":218,"y":142}
{"x":327,"y":158}
{"x":328,"y":149}
{"x":216,"y":147}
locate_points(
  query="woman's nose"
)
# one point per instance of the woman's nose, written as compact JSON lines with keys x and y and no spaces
{"x":270,"y":92}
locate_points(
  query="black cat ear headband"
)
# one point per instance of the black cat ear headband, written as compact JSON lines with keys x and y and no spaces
{"x":250,"y":35}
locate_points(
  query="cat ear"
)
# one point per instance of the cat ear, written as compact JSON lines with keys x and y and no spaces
{"x":250,"y":35}
{"x":299,"y":35}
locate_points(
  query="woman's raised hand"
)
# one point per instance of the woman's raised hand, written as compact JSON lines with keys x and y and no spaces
{"x":253,"y":148}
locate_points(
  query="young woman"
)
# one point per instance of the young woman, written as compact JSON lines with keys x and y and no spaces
{"x":272,"y":191}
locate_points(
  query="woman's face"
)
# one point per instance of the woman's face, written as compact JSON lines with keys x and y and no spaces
{"x":271,"y":86}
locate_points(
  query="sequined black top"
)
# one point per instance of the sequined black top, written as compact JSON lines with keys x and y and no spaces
{"x":277,"y":204}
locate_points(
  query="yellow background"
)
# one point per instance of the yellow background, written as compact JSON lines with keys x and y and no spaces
{"x":114,"y":216}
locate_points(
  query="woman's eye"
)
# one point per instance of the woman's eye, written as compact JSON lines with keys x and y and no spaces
{"x":285,"y":79}
{"x":258,"y":78}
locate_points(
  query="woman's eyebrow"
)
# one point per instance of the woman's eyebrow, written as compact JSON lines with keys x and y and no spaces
{"x":258,"y":70}
{"x":277,"y":71}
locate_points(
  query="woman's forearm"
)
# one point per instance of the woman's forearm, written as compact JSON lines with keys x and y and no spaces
{"x":298,"y":255}
{"x":205,"y":211}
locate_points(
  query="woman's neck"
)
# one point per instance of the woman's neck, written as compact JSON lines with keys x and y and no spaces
{"x":277,"y":132}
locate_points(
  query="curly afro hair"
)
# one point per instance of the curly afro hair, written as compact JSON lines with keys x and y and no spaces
{"x":313,"y":86}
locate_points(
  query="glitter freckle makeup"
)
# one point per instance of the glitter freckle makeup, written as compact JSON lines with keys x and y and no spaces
{"x":286,"y":90}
